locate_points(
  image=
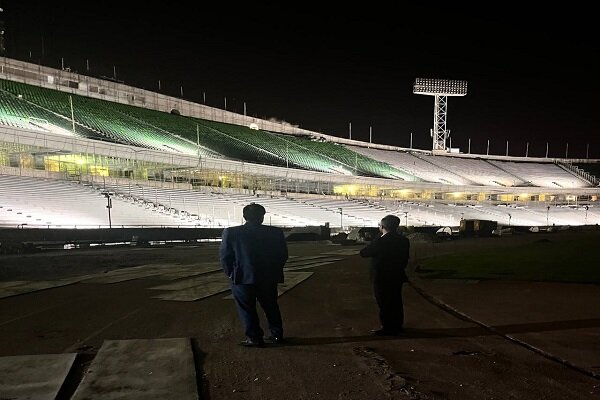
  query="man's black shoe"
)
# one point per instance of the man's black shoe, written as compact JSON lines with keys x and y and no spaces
{"x":252,"y":343}
{"x":275,"y":340}
{"x":386,"y":332}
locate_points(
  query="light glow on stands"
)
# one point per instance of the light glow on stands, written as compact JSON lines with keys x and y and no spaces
{"x":341,"y":170}
{"x":402,"y":194}
{"x":351,"y":190}
{"x":253,"y":126}
{"x":55,"y":129}
{"x":440,"y":87}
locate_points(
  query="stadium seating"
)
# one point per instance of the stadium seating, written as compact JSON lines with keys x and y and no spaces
{"x":46,"y":110}
{"x":542,"y":175}
{"x":94,"y":118}
{"x":61,"y":204}
{"x":19,"y":112}
{"x":593,"y":169}
{"x":162,"y":131}
{"x":413,"y":164}
{"x":36,"y":202}
{"x":352,"y":162}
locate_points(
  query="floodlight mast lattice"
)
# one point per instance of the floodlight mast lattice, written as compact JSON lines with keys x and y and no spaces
{"x":441,"y":89}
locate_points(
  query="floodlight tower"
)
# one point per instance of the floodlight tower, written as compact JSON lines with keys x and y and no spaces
{"x":441,"y":89}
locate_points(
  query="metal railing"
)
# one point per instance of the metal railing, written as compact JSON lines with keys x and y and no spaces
{"x":578,"y":171}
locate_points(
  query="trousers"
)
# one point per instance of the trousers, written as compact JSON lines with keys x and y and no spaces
{"x":245,"y":297}
{"x":388,"y":295}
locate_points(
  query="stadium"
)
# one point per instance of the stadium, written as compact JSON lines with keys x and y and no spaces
{"x":72,"y":146}
{"x":114,"y":199}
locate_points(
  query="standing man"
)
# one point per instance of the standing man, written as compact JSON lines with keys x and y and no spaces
{"x":253,"y":255}
{"x":389,"y":254}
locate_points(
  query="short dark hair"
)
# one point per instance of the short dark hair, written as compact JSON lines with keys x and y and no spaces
{"x":390,"y":223}
{"x":254,"y":212}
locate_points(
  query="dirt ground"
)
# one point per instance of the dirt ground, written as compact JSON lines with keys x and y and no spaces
{"x":327,"y":318}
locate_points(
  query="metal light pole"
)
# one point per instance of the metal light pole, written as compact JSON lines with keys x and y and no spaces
{"x":108,"y":206}
{"x":587,"y":151}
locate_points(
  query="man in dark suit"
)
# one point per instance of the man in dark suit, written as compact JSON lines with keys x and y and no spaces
{"x":389,"y":254}
{"x":253,"y":255}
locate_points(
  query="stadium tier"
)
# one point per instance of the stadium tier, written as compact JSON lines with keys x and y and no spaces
{"x":47,"y":110}
{"x":136,"y":126}
{"x":34,"y":202}
{"x":171,"y":162}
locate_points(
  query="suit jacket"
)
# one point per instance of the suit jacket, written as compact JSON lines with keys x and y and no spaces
{"x":389,"y":254}
{"x":253,"y":253}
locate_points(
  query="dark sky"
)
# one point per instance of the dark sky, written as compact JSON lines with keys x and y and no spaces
{"x":531,"y":74}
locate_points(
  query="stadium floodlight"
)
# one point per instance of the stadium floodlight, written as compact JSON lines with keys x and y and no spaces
{"x":441,"y":89}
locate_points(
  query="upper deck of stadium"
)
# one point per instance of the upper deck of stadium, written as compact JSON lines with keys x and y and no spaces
{"x":46,"y":100}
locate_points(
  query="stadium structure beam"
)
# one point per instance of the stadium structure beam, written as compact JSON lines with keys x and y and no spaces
{"x":440,"y":89}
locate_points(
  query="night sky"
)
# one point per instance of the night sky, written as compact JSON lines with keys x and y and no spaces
{"x":532,"y":75}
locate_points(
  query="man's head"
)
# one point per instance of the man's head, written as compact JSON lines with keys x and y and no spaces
{"x":254,"y":213}
{"x":389,"y":223}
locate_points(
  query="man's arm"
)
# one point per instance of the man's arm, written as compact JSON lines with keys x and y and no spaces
{"x":371,"y":249}
{"x":282,"y":250}
{"x":226,"y":253}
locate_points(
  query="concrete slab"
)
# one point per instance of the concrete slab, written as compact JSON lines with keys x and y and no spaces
{"x":122,"y":277}
{"x":154,"y":271}
{"x":32,"y":377}
{"x":173,"y":276}
{"x":309,"y":257}
{"x":164,"y":267}
{"x":311,"y":260}
{"x":160,"y":265}
{"x":196,"y":293}
{"x":193,"y":282}
{"x":313,"y":265}
{"x":4,"y":285}
{"x":34,"y":286}
{"x":293,"y":279}
{"x":141,"y":369}
{"x":344,"y":252}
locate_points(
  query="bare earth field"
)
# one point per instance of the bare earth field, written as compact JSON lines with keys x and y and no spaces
{"x":465,"y":339}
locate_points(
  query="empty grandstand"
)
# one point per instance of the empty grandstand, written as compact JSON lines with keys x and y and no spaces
{"x":68,"y":142}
